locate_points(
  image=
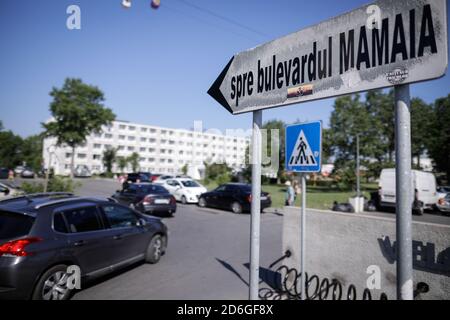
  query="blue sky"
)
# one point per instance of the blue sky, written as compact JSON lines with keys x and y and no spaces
{"x":154,"y":66}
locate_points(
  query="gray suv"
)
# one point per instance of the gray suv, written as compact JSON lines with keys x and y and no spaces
{"x":42,"y":235}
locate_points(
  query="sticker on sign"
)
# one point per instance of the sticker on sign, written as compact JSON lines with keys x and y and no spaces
{"x":379,"y":45}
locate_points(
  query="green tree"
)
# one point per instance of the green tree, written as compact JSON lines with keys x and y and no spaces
{"x":421,"y":124}
{"x":218,"y":172}
{"x":133,"y":160}
{"x":78,"y":111}
{"x":439,"y":143}
{"x":184,"y":169}
{"x":109,"y":157}
{"x":280,"y":126}
{"x":122,"y":163}
{"x":380,"y":109}
{"x":32,"y":151}
{"x":10,"y":149}
{"x":350,"y":119}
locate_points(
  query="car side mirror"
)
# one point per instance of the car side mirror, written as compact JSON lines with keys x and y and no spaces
{"x":141,"y":222}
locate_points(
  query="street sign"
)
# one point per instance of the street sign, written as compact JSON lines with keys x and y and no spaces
{"x":304,"y":147}
{"x":379,"y":45}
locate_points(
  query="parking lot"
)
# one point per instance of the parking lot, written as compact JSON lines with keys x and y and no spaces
{"x":207,"y":256}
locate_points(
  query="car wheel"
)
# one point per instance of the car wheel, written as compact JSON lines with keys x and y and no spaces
{"x":202,"y":202}
{"x":236,"y":207}
{"x":183,"y":200}
{"x":155,"y":249}
{"x":53,"y":285}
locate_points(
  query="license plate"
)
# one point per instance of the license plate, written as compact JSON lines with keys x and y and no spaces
{"x":161,"y":201}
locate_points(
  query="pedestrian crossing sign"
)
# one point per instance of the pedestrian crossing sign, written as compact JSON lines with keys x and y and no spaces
{"x":304,"y":147}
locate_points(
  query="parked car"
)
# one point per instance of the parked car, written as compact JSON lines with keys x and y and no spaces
{"x":137,"y":177}
{"x":27,"y":173}
{"x":8,"y":190}
{"x":162,"y":178}
{"x":442,"y":191}
{"x":4,"y":173}
{"x":82,"y":171}
{"x":423,"y":184}
{"x":185,"y":190}
{"x":42,"y":235}
{"x":155,"y":176}
{"x":236,"y":197}
{"x":443,"y":204}
{"x":147,"y":198}
{"x":18,"y":170}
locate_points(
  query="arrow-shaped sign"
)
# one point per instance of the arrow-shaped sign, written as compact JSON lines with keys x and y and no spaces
{"x":376,"y":46}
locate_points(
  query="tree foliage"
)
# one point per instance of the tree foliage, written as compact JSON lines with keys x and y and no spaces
{"x":109,"y":157}
{"x":133,"y":160}
{"x":439,"y":144}
{"x":77,"y":109}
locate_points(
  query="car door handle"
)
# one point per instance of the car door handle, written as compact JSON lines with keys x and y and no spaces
{"x":79,"y":243}
{"x":118,"y":237}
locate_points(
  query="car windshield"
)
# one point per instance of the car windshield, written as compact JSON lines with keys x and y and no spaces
{"x":190,"y":184}
{"x":14,"y":225}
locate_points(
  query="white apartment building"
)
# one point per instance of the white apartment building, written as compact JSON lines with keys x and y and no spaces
{"x":161,"y":150}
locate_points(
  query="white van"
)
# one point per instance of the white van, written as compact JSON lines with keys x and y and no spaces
{"x":423,"y":185}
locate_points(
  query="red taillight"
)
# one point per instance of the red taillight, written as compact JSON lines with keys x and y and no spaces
{"x":173,"y":200}
{"x":249,"y":198}
{"x":148,"y":200}
{"x":17,"y":247}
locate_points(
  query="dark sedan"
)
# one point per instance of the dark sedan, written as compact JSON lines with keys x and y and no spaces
{"x":236,"y":197}
{"x":147,"y":198}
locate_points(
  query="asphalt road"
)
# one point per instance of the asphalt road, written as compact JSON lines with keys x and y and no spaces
{"x":207,"y":256}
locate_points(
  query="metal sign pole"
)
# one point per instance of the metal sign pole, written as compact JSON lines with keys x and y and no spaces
{"x":303,"y":237}
{"x":256,"y":205}
{"x":404,"y":192}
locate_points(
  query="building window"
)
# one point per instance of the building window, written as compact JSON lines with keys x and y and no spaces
{"x":130,"y":148}
{"x":122,"y":127}
{"x":68,"y":155}
{"x":97,"y":146}
{"x":96,"y":157}
{"x":152,"y":140}
{"x":121,"y":148}
{"x":81,"y":156}
{"x":142,"y":159}
{"x":151,"y":159}
{"x":151,"y":150}
{"x":152,"y":130}
{"x":143,"y":129}
{"x":131,"y":128}
{"x":108,"y":135}
{"x":143,"y":139}
{"x":131,"y":138}
{"x":121,"y":137}
{"x":142,"y":149}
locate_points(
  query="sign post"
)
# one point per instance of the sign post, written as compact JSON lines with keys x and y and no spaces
{"x":384,"y":44}
{"x":404,"y":193}
{"x":303,"y":155}
{"x":255,"y":206}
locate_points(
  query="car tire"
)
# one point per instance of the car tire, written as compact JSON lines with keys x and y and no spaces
{"x":44,"y":290}
{"x":183,"y":200}
{"x":202,"y":202}
{"x":236,"y":207}
{"x":155,"y":249}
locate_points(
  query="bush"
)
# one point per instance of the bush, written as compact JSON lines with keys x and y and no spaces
{"x":55,"y":184}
